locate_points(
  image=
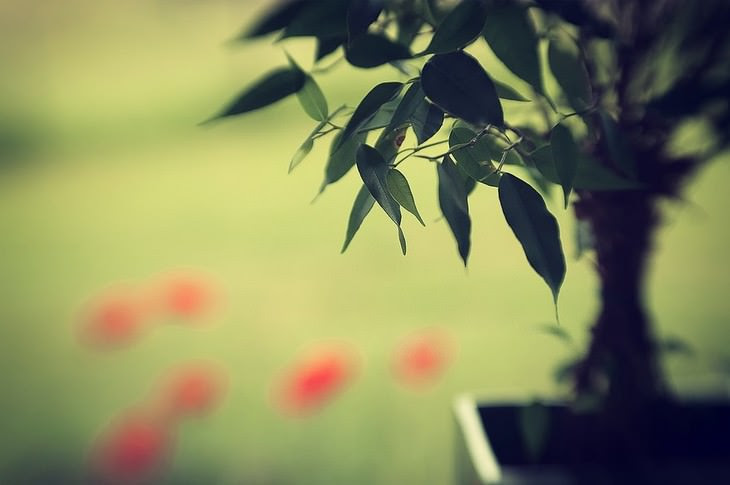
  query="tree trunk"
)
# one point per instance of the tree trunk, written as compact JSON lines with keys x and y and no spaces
{"x":621,"y":362}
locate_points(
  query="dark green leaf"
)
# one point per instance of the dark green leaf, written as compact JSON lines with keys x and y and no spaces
{"x":459,"y":28}
{"x":381,"y":118}
{"x":370,"y":104}
{"x":374,"y":171}
{"x":565,"y":157}
{"x":372,"y":50}
{"x":458,"y":85}
{"x":617,"y":145}
{"x":511,"y":35}
{"x":591,"y":174}
{"x":361,"y":14}
{"x":312,"y":100}
{"x":535,"y":228}
{"x":408,"y":27}
{"x":389,"y":142}
{"x":426,"y":120}
{"x":407,"y":106}
{"x":454,"y":204}
{"x":327,"y":45}
{"x":475,"y":160}
{"x":320,"y":18}
{"x":402,"y":240}
{"x":534,"y":427}
{"x":401,"y":192}
{"x":506,"y":92}
{"x":570,"y":71}
{"x":302,"y":152}
{"x":275,"y":19}
{"x":271,"y":88}
{"x":360,"y":209}
{"x":342,"y":157}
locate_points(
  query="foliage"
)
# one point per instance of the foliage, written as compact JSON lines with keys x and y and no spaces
{"x":577,"y":73}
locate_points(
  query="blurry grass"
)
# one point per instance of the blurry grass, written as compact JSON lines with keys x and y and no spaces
{"x":123,"y":186}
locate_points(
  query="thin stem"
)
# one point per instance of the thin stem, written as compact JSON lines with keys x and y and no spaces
{"x":325,"y":69}
{"x":415,"y":150}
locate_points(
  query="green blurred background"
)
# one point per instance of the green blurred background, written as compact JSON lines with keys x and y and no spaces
{"x":106,"y":177}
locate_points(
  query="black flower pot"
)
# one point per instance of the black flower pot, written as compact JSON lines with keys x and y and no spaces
{"x":685,"y":442}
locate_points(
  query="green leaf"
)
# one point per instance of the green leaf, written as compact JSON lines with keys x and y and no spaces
{"x":407,"y":106}
{"x":320,"y":18}
{"x":454,"y":205}
{"x":327,"y":45}
{"x":374,"y":171}
{"x":459,"y":28}
{"x":360,"y":209}
{"x":565,"y":157}
{"x":271,"y":88}
{"x":570,"y":71}
{"x":506,"y":92}
{"x":457,"y":84}
{"x":535,"y":228}
{"x":617,"y":145}
{"x":372,"y":50}
{"x":475,"y":160}
{"x":426,"y":121}
{"x":361,"y":14}
{"x":312,"y":100}
{"x":401,"y":192}
{"x":275,"y":19}
{"x":370,"y":104}
{"x":414,"y":109}
{"x":341,"y":157}
{"x":302,"y":152}
{"x":402,"y":240}
{"x":591,"y":174}
{"x":511,"y":36}
{"x":389,"y":142}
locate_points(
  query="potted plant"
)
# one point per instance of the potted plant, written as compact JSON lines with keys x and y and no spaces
{"x":605,"y":90}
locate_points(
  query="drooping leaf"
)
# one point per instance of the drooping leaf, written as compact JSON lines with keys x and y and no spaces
{"x":320,"y":19}
{"x":459,"y":28}
{"x":372,"y":50}
{"x":591,"y":174}
{"x":374,"y":171}
{"x":389,"y":142}
{"x":361,"y":14}
{"x":511,"y":36}
{"x":408,"y":27}
{"x":341,"y":157}
{"x":360,"y":209}
{"x":401,"y":192}
{"x":454,"y":205}
{"x":275,"y":19}
{"x":370,"y":104}
{"x":312,"y":100}
{"x":327,"y":45}
{"x":535,"y":228}
{"x":474,"y":160}
{"x":565,"y":158}
{"x":617,"y":145}
{"x":407,"y":106}
{"x":273,"y":87}
{"x":426,"y":121}
{"x":569,"y":70}
{"x":381,"y":118}
{"x":506,"y":92}
{"x":402,"y":240}
{"x":414,"y":109}
{"x":302,"y":152}
{"x":457,"y":84}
